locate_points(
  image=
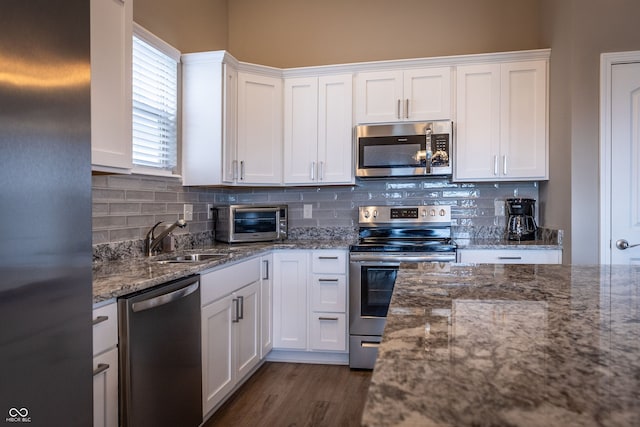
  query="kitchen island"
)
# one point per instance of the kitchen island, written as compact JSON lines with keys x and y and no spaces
{"x":509,"y":345}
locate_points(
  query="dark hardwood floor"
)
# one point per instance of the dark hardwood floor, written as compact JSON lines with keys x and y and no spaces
{"x":296,"y":395}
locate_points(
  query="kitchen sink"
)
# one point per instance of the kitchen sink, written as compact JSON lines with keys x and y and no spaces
{"x":191,"y":258}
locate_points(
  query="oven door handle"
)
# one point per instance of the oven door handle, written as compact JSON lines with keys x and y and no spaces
{"x":380,"y":257}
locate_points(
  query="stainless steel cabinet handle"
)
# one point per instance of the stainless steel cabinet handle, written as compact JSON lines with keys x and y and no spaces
{"x":509,"y":257}
{"x":266,"y":269}
{"x":328,"y":280}
{"x":235,"y":170}
{"x":100,"y":319}
{"x":504,"y":164}
{"x":241,"y":170}
{"x":100,"y":369}
{"x":406,"y":110}
{"x":164,"y":299}
{"x":334,"y":319}
{"x":241,"y":301}
{"x":320,"y":171}
{"x":399,"y":106}
{"x":237,"y":317}
{"x":622,"y":244}
{"x":495,"y":165}
{"x":327,"y":257}
{"x":313,"y":171}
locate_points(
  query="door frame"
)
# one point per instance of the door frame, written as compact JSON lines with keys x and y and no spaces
{"x":607,"y":61}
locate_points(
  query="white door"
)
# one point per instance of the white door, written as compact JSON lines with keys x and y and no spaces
{"x":248,"y":329}
{"x":625,"y":163}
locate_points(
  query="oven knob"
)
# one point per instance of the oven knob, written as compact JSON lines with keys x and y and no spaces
{"x":375,"y":214}
{"x":366,"y":214}
{"x":424,"y":213}
{"x":442,"y":212}
{"x":432,"y":212}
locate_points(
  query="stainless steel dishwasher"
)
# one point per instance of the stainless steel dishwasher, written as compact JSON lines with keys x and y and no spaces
{"x":159,"y":337}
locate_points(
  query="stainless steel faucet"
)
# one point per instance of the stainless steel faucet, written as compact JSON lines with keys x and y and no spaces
{"x":151,"y":241}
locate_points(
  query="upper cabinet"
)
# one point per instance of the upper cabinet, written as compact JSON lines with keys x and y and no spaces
{"x":209,"y":84}
{"x":403,"y":95}
{"x":258,"y":155}
{"x":318,"y":130}
{"x":111,"y":46}
{"x":501,"y":122}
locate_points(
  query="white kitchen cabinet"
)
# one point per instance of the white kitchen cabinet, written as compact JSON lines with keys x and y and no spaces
{"x":510,"y":256}
{"x":231,"y":315}
{"x":318,"y":130}
{"x":209,"y":85}
{"x":290,"y":277}
{"x":105,"y":366}
{"x":266,"y":309}
{"x":258,"y":154}
{"x":397,"y":95}
{"x":111,"y":109}
{"x":501,"y":122}
{"x":310,"y":295}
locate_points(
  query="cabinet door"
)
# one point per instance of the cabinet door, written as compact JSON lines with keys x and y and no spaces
{"x":266,"y":309}
{"x":523,"y":135}
{"x":218,"y":370}
{"x":259,"y":138}
{"x":379,"y":96}
{"x":478,"y":122}
{"x":290,"y":300}
{"x":427,"y":94}
{"x":301,"y":130}
{"x":247,"y":329}
{"x":335,"y":130}
{"x":111,"y":110}
{"x":105,"y":389}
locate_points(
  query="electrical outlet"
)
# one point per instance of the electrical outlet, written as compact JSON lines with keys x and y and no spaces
{"x":209,"y":210}
{"x":307,"y":211}
{"x":188,"y":212}
{"x":498,"y":207}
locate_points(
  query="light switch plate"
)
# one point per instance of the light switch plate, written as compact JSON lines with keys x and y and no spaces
{"x":307,"y":211}
{"x":209,"y":210}
{"x":188,"y":212}
{"x":498,"y":207}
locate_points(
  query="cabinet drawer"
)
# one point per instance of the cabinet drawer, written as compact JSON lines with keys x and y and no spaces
{"x":510,"y":256}
{"x":105,"y":328}
{"x":329,"y":293}
{"x":329,"y":262}
{"x":218,"y":283}
{"x":328,"y":331}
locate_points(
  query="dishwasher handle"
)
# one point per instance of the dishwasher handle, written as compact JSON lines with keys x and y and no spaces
{"x":165,"y":298}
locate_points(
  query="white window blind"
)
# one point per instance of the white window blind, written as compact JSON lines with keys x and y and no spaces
{"x":155,"y":104}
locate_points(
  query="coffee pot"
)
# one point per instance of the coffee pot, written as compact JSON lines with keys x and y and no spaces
{"x":521,"y":224}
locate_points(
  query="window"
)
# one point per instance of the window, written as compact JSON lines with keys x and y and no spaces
{"x":155,"y":104}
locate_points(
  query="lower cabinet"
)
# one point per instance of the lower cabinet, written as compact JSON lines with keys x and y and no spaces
{"x":310,"y":303}
{"x":510,"y":256}
{"x":105,"y":366}
{"x":231,"y":329}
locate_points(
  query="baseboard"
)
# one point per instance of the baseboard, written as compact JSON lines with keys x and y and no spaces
{"x":315,"y":357}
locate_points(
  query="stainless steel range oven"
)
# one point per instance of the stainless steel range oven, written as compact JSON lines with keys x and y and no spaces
{"x":389,"y":235}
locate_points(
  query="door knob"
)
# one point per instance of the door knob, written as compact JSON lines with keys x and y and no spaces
{"x":622,"y":244}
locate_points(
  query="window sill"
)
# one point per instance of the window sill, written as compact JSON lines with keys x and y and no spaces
{"x":141,"y":170}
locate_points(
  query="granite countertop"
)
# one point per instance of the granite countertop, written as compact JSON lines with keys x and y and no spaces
{"x":509,"y":345}
{"x":116,"y":278}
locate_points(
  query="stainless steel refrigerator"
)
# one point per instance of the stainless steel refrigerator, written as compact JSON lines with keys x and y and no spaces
{"x":45,"y":214}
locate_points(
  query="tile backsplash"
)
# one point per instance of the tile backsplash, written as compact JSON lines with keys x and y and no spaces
{"x":126,"y":206}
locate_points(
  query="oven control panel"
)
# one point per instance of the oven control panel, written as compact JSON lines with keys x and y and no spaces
{"x":372,"y":215}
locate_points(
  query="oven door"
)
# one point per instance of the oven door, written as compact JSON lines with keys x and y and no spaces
{"x":370,"y":288}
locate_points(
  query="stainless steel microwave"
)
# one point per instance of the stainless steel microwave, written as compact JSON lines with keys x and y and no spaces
{"x":251,"y":223}
{"x":404,"y":149}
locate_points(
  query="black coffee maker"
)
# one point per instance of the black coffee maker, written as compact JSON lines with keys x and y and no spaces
{"x":521,"y":224}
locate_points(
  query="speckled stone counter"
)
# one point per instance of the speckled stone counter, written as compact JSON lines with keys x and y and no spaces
{"x":116,"y":278}
{"x":509,"y":345}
